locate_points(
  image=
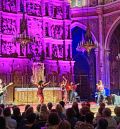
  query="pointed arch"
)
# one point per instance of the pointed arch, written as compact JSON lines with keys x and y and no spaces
{"x":80,"y":25}
{"x":110,"y":32}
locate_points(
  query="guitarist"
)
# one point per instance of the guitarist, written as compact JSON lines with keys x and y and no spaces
{"x":2,"y":90}
{"x":71,"y":91}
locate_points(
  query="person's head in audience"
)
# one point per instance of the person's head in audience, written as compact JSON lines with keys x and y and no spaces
{"x":43,"y":108}
{"x":26,"y":107}
{"x":88,"y":104}
{"x":53,"y":119}
{"x":29,"y":111}
{"x":70,"y":113}
{"x":38,"y":107}
{"x":59,"y":108}
{"x":84,"y":110}
{"x":89,"y":118}
{"x":75,"y":106}
{"x":117,"y":111}
{"x":31,"y":118}
{"x":118,"y":127}
{"x":62,"y":103}
{"x":2,"y":106}
{"x":44,"y":113}
{"x":64,"y":124}
{"x":54,"y":110}
{"x":100,"y":111}
{"x":83,"y":104}
{"x":2,"y":123}
{"x":83,"y":125}
{"x":102,"y":105}
{"x":49,"y":105}
{"x":14,"y":106}
{"x":7,"y":112}
{"x":106,"y":112}
{"x":102,"y":123}
{"x":1,"y":111}
{"x":16,"y":111}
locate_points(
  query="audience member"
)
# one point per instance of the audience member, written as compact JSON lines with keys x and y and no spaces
{"x":60,"y":112}
{"x":70,"y":114}
{"x":102,"y":124}
{"x":76,"y":109}
{"x":38,"y":111}
{"x":117,"y":113}
{"x":64,"y":124}
{"x":31,"y":122}
{"x":2,"y":123}
{"x":17,"y":115}
{"x":44,"y":113}
{"x":53,"y":121}
{"x":62,"y":103}
{"x":29,"y":111}
{"x":10,"y":123}
{"x":112,"y":124}
{"x":26,"y":107}
{"x":1,"y":111}
{"x":49,"y":105}
{"x":83,"y":125}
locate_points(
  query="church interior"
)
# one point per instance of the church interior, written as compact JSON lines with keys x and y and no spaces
{"x":48,"y":39}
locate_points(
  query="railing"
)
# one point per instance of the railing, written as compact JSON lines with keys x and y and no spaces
{"x":83,"y":3}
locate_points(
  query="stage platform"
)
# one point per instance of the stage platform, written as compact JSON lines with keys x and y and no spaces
{"x":29,"y":95}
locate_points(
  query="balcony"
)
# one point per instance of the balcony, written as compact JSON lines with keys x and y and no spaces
{"x":90,"y":3}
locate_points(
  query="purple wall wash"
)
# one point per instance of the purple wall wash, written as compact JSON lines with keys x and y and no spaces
{"x":16,"y":70}
{"x":49,"y":23}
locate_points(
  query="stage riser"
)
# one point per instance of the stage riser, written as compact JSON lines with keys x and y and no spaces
{"x":29,"y":95}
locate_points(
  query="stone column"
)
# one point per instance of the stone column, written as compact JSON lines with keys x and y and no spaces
{"x":50,"y":49}
{"x":97,"y":65}
{"x":0,"y":33}
{"x":64,"y":26}
{"x":107,"y":69}
{"x":101,"y":44}
{"x":0,"y":5}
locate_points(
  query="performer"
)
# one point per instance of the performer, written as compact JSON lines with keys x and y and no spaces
{"x":100,"y":91}
{"x":64,"y":91}
{"x":1,"y":91}
{"x":73,"y":93}
{"x":69,"y":89}
{"x":41,"y":86}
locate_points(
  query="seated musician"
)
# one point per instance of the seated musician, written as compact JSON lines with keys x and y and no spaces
{"x":100,"y":91}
